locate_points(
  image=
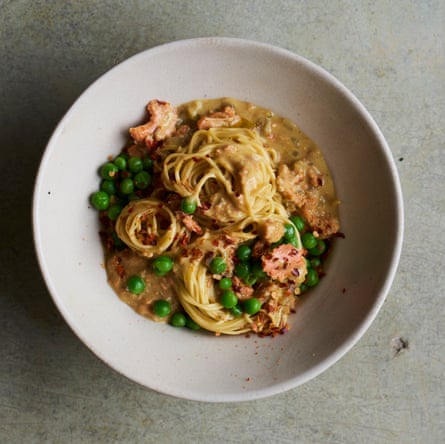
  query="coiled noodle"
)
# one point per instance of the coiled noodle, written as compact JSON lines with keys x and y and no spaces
{"x":148,"y":227}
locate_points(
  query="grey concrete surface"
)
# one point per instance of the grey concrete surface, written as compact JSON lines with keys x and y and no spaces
{"x":390,"y":387}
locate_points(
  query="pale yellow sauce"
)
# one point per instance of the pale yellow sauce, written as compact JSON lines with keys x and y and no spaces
{"x":280,"y":133}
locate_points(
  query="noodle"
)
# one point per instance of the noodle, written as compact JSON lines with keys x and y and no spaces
{"x":210,"y":168}
{"x":140,"y":227}
{"x":197,"y":296}
{"x":230,"y":175}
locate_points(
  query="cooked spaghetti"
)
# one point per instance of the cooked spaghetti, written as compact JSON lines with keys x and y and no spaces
{"x":222,"y":214}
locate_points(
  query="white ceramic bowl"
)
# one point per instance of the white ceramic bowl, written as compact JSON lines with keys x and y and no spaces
{"x":191,"y":364}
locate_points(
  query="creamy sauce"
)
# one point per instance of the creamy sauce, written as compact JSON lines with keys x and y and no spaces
{"x":282,"y":135}
{"x":155,"y":287}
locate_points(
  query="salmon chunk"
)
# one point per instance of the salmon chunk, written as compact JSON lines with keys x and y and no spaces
{"x":301,"y":185}
{"x":271,"y":230}
{"x":162,"y":124}
{"x":190,"y":223}
{"x":226,"y":117}
{"x":285,"y":263}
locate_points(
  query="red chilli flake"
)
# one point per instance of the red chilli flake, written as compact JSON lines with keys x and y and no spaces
{"x":184,"y":240}
{"x":284,"y":330}
{"x":204,"y":206}
{"x":227,"y":240}
{"x":197,"y":253}
{"x":120,"y":270}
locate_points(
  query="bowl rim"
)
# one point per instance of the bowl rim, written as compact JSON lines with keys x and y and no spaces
{"x":354,"y":336}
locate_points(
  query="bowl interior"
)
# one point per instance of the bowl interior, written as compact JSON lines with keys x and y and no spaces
{"x":184,"y":363}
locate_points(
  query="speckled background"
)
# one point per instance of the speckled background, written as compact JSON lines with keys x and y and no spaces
{"x":389,"y":388}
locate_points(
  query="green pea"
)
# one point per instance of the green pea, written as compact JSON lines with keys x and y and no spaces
{"x":236,"y":311}
{"x":142,"y":180}
{"x":114,"y":211}
{"x":108,"y":186}
{"x":161,"y":308}
{"x":303,"y":288}
{"x":251,"y":306}
{"x":228,"y":299}
{"x":319,"y":249}
{"x":100,"y":200}
{"x":257,"y":270}
{"x":242,"y":269}
{"x":315,"y":262}
{"x":243,"y":252}
{"x":217,"y":265}
{"x":277,"y":243}
{"x":135,"y":284}
{"x":162,"y":265}
{"x":127,"y":186}
{"x":225,"y":283}
{"x":135,"y":164}
{"x":289,"y":232}
{"x":312,"y":278}
{"x":294,"y":242}
{"x":190,"y":323}
{"x":298,"y":222}
{"x":178,"y":320}
{"x":188,"y":205}
{"x":308,"y":240}
{"x":121,"y":162}
{"x":109,"y":171}
{"x":147,"y":163}
{"x":133,"y":196}
{"x":118,"y":242}
{"x":250,"y":280}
